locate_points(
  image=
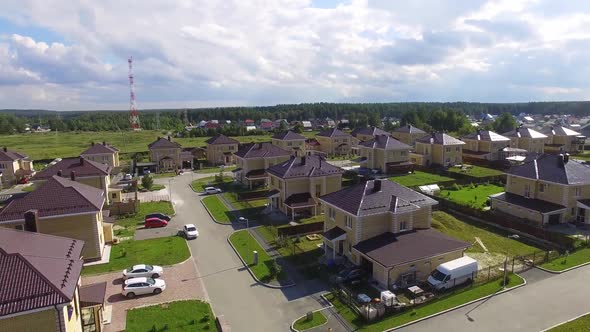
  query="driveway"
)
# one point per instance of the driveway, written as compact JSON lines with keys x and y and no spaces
{"x":182,"y":283}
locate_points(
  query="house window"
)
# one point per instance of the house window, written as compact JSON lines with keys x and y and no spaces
{"x":349,"y":221}
{"x":332,"y":213}
{"x":289,"y":144}
{"x":457,"y":149}
{"x":19,"y":227}
{"x":578,"y":191}
{"x":318,"y":190}
{"x":349,"y":247}
{"x":280,"y":185}
{"x":272,"y":181}
{"x":448,"y":149}
{"x":402,"y":226}
{"x":527,"y":191}
{"x":404,"y":153}
{"x":542,"y":187}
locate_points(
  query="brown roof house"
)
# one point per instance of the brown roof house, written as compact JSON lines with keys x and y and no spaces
{"x":368,"y":133}
{"x":41,"y":285}
{"x":485,"y":144}
{"x":92,"y":173}
{"x":563,"y":140}
{"x":220,"y":150}
{"x":167,"y":155}
{"x":62,"y":207}
{"x":290,"y":141}
{"x":14,"y":166}
{"x":334,"y":142}
{"x":296,"y":184}
{"x":102,"y":153}
{"x":408,"y":134}
{"x":527,"y":139}
{"x":386,"y":154}
{"x":253,"y":159}
{"x":548,"y":189}
{"x":385,"y":228}
{"x":438,"y":149}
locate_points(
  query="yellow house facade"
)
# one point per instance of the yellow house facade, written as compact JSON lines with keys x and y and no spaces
{"x":165,"y":154}
{"x":527,"y":139}
{"x":485,"y":144}
{"x":14,"y":166}
{"x":439,"y":149}
{"x":563,"y":140}
{"x":334,"y":142}
{"x":385,"y":153}
{"x":102,"y":153}
{"x":220,"y":150}
{"x":253,"y":159}
{"x":290,"y":141}
{"x":408,"y":134}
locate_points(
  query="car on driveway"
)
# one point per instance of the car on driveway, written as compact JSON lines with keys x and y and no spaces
{"x":155,"y":222}
{"x":141,"y":286}
{"x":190,"y":231}
{"x":143,"y":270}
{"x":212,"y":190}
{"x":348,"y":275}
{"x":157,"y":215}
{"x":127,"y":177}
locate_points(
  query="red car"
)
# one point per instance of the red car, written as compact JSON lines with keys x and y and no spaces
{"x":155,"y":222}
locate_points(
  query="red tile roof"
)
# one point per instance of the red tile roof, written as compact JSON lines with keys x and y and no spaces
{"x":82,"y":167}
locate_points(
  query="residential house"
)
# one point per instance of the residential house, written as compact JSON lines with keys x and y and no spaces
{"x":253,"y":159}
{"x":385,"y":228}
{"x":526,"y":139}
{"x":368,"y":133}
{"x":438,"y":149}
{"x":307,"y":126}
{"x":408,"y":134}
{"x":290,"y":141}
{"x":386,"y":154}
{"x":266,"y":125}
{"x":102,"y":153}
{"x":88,"y":172}
{"x":485,"y":144}
{"x":334,"y":142}
{"x":41,"y":286}
{"x":220,"y":150}
{"x":165,"y":154}
{"x":280,"y":123}
{"x":62,"y":207}
{"x":14,"y":166}
{"x":296,"y":184}
{"x":547,"y":189}
{"x":563,"y":140}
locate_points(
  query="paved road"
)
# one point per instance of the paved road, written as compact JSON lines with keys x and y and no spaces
{"x":544,"y":302}
{"x":246,"y":305}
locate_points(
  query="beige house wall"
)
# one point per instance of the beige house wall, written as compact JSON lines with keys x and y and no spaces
{"x":216,"y":153}
{"x":529,"y":144}
{"x":295,"y":146}
{"x":111,"y":159}
{"x":9,"y":169}
{"x":328,"y":184}
{"x":328,"y":145}
{"x":517,"y":211}
{"x":408,"y":138}
{"x":45,"y":320}
{"x":251,"y":164}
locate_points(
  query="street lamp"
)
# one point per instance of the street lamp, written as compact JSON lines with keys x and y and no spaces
{"x":170,"y":188}
{"x":242,"y":219}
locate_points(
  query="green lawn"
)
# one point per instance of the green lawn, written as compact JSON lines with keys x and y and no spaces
{"x":130,"y":223}
{"x":581,"y":324}
{"x":476,"y":171}
{"x":160,"y":251}
{"x":155,"y":187}
{"x":419,"y":178}
{"x":200,"y":184}
{"x":578,"y":257}
{"x":211,"y":170}
{"x":245,"y":244}
{"x":452,"y":300}
{"x":217,"y":209}
{"x":494,"y":242}
{"x":249,"y":209}
{"x":190,"y":315}
{"x":303,"y":324}
{"x":28,"y":189}
{"x":163,"y":175}
{"x":475,"y":197}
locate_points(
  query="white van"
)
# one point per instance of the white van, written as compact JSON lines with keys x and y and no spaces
{"x":453,"y":273}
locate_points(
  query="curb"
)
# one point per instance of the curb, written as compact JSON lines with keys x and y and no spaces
{"x":248,"y":267}
{"x":562,"y":271}
{"x":211,"y":215}
{"x":565,"y":322}
{"x":292,"y":327}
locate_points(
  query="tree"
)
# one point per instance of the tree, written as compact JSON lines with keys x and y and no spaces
{"x":374,"y":120}
{"x":504,"y":123}
{"x":147,"y":182}
{"x":298,"y":128}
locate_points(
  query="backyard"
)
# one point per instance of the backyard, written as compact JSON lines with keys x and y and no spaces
{"x":578,"y":257}
{"x":475,"y":171}
{"x":159,"y":251}
{"x":474,"y":195}
{"x":419,"y":178}
{"x":266,"y":270}
{"x":192,"y":315}
{"x":126,"y":225}
{"x":218,"y":210}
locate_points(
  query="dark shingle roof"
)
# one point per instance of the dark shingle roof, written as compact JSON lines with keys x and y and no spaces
{"x":373,"y":131}
{"x":38,"y":277}
{"x":82,"y":167}
{"x":261,"y":150}
{"x":163,"y":143}
{"x":390,"y":250}
{"x":528,"y":203}
{"x":334,"y":132}
{"x":385,"y":142}
{"x":9,"y":155}
{"x":221,"y":139}
{"x":524,"y":132}
{"x":93,"y":294}
{"x":333,"y":233}
{"x":486,"y":135}
{"x":99,"y":149}
{"x":552,"y":168}
{"x":56,"y":196}
{"x":288,"y":136}
{"x":560,"y":131}
{"x":409,"y":129}
{"x":441,"y":139}
{"x":309,"y":166}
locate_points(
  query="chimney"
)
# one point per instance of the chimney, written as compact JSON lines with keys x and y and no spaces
{"x":104,"y":143}
{"x":73,"y":175}
{"x":5,"y":149}
{"x":31,"y":218}
{"x":91,"y":143}
{"x":81,"y":161}
{"x":168,"y":138}
{"x":376,"y":186}
{"x":159,"y":138}
{"x":303,"y":160}
{"x":59,"y":173}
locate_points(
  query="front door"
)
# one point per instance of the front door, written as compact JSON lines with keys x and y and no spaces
{"x":340,"y":247}
{"x":554,"y":219}
{"x":581,"y":215}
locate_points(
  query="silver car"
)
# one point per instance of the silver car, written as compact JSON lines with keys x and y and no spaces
{"x":190,"y":231}
{"x":143,"y":270}
{"x":141,"y":286}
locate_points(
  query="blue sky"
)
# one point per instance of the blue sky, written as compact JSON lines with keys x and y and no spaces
{"x":66,"y":55}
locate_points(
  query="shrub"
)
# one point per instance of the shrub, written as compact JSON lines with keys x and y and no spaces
{"x":147,"y":181}
{"x":471,"y":186}
{"x":455,"y":187}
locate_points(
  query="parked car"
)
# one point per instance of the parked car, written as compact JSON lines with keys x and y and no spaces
{"x":24,"y":180}
{"x":141,"y":286}
{"x":146,"y":170}
{"x":451,"y":273}
{"x":155,"y":222}
{"x":348,"y":275}
{"x":127,"y":177}
{"x":157,"y":215}
{"x":190,"y":231}
{"x":212,"y":190}
{"x":143,"y":270}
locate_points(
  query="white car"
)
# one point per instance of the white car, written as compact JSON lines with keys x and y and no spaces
{"x":127,"y":177}
{"x":140,"y":286}
{"x":143,"y":270}
{"x":212,"y":190}
{"x":190,"y":231}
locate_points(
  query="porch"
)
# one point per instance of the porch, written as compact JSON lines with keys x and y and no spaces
{"x":92,"y":306}
{"x":334,"y":245}
{"x":300,"y":203}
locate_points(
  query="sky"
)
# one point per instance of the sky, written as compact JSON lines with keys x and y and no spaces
{"x":72,"y":55}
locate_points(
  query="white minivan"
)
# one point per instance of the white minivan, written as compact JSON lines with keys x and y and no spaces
{"x":452,"y":273}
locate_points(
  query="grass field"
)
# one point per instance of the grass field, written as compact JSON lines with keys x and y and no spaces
{"x":581,"y":324}
{"x":578,"y":257}
{"x":212,"y":170}
{"x":130,"y":223}
{"x":460,"y":297}
{"x":217,"y":209}
{"x":475,"y":197}
{"x":200,"y":184}
{"x":245,"y":244}
{"x":178,"y":316}
{"x":160,"y":251}
{"x":476,"y":171}
{"x":419,"y":178}
{"x":303,"y":324}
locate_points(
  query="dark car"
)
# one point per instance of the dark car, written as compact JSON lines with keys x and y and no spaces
{"x":157,"y":215}
{"x":155,"y":222}
{"x":347,"y":275}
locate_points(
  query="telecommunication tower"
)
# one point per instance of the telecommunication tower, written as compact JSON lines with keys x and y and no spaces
{"x":134,"y":117}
